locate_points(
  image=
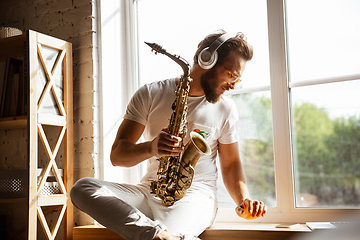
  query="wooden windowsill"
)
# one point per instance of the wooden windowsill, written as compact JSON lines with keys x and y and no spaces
{"x":226,"y":231}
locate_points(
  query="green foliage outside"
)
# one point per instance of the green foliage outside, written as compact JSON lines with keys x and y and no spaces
{"x":256,"y":145}
{"x":326,"y":156}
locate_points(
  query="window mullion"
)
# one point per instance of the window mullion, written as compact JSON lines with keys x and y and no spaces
{"x":324,"y":80}
{"x":280,"y":106}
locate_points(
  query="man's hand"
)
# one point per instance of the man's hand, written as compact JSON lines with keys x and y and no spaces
{"x":166,"y":144}
{"x":250,"y":209}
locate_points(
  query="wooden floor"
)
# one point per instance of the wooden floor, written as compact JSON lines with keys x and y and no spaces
{"x":93,"y":232}
{"x":223,"y":231}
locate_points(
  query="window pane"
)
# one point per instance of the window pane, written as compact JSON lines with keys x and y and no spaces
{"x":179,"y":26}
{"x":256,"y":148}
{"x":323,"y":38}
{"x":326,"y":144}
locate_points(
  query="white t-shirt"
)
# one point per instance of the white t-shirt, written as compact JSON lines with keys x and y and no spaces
{"x":151,"y":107}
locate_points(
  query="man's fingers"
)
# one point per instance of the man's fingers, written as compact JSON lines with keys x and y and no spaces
{"x":264,"y":211}
{"x":168,"y":139}
{"x":168,"y":145}
{"x":250,"y":209}
{"x":250,"y":206}
{"x":261,"y":209}
{"x":239,"y":210}
{"x":171,"y":152}
{"x":255,"y":208}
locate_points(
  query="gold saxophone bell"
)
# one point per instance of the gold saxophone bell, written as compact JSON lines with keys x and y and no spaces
{"x":193,"y":150}
{"x":196,"y":147}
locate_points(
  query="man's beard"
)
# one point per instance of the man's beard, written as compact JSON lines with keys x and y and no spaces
{"x":209,"y":85}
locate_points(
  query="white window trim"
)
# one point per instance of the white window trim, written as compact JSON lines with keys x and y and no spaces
{"x":285,"y":210}
{"x":118,"y":61}
{"x":324,"y":80}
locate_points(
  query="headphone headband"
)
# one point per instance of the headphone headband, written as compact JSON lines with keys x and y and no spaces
{"x":218,"y":42}
{"x":208,"y":56}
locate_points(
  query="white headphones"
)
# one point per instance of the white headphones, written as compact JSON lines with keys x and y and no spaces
{"x":208,"y":56}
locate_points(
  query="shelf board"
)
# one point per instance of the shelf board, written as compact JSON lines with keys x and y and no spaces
{"x":13,"y":122}
{"x":50,"y":200}
{"x":13,"y":200}
{"x":12,"y":47}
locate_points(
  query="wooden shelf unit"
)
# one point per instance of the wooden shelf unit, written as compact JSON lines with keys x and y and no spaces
{"x":52,"y":69}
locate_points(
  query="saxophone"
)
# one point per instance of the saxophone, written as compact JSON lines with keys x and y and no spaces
{"x":175,"y":174}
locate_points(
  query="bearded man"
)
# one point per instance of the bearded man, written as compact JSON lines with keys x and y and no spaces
{"x":133,"y":211}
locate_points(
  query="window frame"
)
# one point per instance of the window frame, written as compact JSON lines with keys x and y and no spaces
{"x":280,"y":94}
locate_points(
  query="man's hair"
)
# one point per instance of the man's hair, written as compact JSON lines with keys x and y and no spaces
{"x":237,"y":44}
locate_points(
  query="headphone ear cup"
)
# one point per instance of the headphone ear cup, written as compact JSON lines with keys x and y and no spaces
{"x":207,"y":59}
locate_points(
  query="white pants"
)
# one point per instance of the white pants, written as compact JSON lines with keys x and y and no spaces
{"x":135,"y":214}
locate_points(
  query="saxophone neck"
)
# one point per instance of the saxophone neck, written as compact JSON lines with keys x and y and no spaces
{"x":178,"y":59}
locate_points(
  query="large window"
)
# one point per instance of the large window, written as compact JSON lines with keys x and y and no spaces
{"x":324,"y":67}
{"x":298,"y":104}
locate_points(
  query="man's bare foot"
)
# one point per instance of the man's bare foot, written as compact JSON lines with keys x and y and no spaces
{"x":164,"y":235}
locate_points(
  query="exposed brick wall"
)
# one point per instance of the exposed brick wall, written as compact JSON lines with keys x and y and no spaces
{"x":73,"y":21}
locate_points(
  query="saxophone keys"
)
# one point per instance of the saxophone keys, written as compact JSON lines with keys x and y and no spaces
{"x":153,"y":187}
{"x":168,"y":201}
{"x":187,"y":170}
{"x":184,"y":182}
{"x":163,"y":187}
{"x":179,"y":194}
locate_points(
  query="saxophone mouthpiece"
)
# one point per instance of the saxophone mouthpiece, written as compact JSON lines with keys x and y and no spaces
{"x":179,"y":60}
{"x":156,"y":47}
